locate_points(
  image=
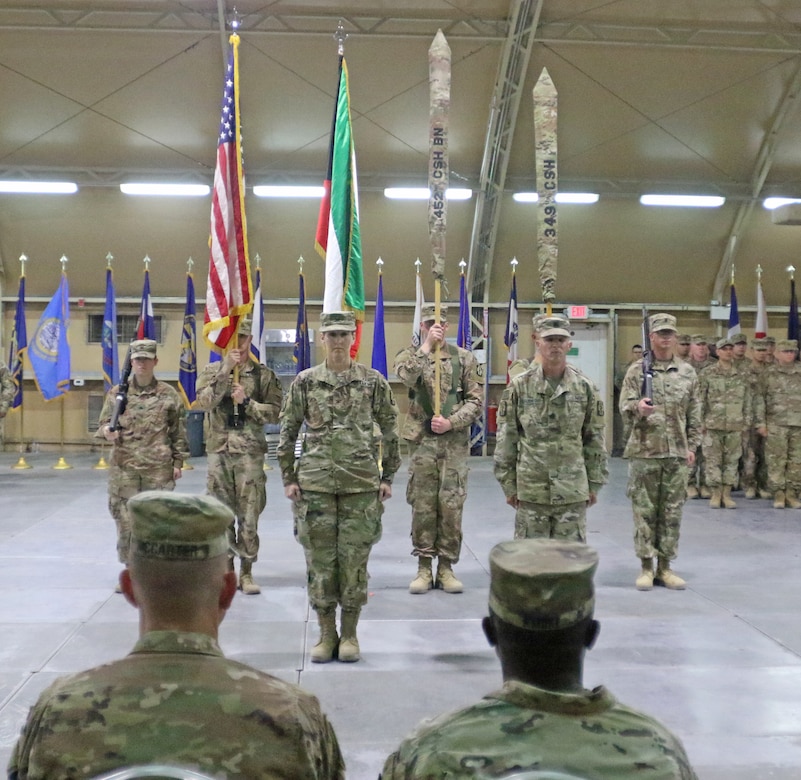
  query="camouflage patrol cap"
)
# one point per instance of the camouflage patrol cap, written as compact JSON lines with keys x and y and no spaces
{"x":769,"y":340}
{"x":337,"y":320}
{"x":739,"y":338}
{"x":143,"y":348}
{"x":245,"y":325}
{"x":786,"y":345}
{"x":428,"y":314}
{"x":661,"y":321}
{"x":724,"y":342}
{"x":554,"y":326}
{"x":760,"y":345}
{"x":542,"y":584}
{"x":699,"y":338}
{"x":177,"y":526}
{"x":684,"y":338}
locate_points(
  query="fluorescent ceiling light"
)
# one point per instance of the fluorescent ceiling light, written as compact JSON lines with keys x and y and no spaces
{"x":180,"y":190}
{"x":694,"y":201}
{"x":561,"y":197}
{"x":774,"y":203}
{"x":43,"y":187}
{"x":423,"y":193}
{"x":288,"y":191}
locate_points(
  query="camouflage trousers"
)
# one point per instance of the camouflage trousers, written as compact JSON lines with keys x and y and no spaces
{"x":124,"y":484}
{"x":657,"y":489}
{"x":722,"y":451}
{"x":697,"y":474}
{"x":239,"y":482}
{"x":337,"y":532}
{"x":783,"y":454}
{"x":436,"y":491}
{"x":755,"y":470}
{"x":550,"y":521}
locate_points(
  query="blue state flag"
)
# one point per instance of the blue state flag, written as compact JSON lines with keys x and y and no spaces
{"x":49,"y":349}
{"x":792,"y":314}
{"x":464,"y":338}
{"x":257,"y":329}
{"x":111,"y":355}
{"x":19,"y":343}
{"x":146,"y":327}
{"x":379,"y":362}
{"x":187,"y":368}
{"x":302,"y":356}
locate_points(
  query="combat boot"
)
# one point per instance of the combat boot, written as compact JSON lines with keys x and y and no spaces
{"x":714,"y":501}
{"x":765,"y":493}
{"x":424,"y":580}
{"x":349,"y":644}
{"x":646,"y":579}
{"x":728,"y":501}
{"x":692,"y":491}
{"x":791,"y":497}
{"x":668,"y":578}
{"x":704,"y":492}
{"x":778,"y":500}
{"x":446,"y":578}
{"x":326,"y":648}
{"x":246,"y":584}
{"x":750,"y":493}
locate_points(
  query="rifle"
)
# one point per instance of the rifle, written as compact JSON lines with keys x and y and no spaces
{"x":647,"y":360}
{"x":121,"y":399}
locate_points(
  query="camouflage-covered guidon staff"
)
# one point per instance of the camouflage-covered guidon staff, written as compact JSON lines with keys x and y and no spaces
{"x":439,"y":75}
{"x":545,"y":108}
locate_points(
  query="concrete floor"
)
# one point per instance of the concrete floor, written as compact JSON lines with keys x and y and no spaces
{"x":720,"y":663}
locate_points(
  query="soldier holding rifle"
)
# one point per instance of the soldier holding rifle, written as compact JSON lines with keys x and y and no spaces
{"x":661,"y":405}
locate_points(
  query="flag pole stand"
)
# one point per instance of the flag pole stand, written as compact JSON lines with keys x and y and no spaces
{"x":101,"y":465}
{"x":21,"y":464}
{"x":187,"y":466}
{"x":62,"y":464}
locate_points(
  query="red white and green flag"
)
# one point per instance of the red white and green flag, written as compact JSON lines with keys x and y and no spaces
{"x":338,"y":239}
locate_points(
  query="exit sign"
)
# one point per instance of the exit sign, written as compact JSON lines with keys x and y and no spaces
{"x":578,"y":312}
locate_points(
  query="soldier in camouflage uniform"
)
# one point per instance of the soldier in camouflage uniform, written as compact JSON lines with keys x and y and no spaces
{"x":176,"y":699}
{"x":683,"y":343}
{"x":665,"y":433}
{"x":7,"y":392}
{"x":726,"y":407}
{"x":542,"y":720}
{"x":550,"y":457}
{"x":777,"y":413}
{"x":700,"y":358}
{"x":739,"y":348}
{"x":438,"y":444}
{"x":149,"y":447}
{"x":338,"y":486}
{"x":538,"y":322}
{"x":754,"y":476}
{"x":235,"y":443}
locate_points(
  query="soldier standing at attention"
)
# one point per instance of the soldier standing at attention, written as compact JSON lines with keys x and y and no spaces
{"x":683,"y":342}
{"x":778,"y":417}
{"x":739,"y":348}
{"x":7,"y":392}
{"x":550,"y":457}
{"x":754,"y":479}
{"x":699,"y":360}
{"x":437,"y":486}
{"x":337,"y":487}
{"x":149,"y":445}
{"x":176,"y":699}
{"x":235,"y":444}
{"x":538,"y":322}
{"x":726,"y":407}
{"x":541,"y":624}
{"x":665,"y":433}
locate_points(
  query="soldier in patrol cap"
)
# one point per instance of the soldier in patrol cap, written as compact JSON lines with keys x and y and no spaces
{"x":754,"y":476}
{"x":240,"y":396}
{"x":538,"y":322}
{"x":149,"y":443}
{"x":438,"y":442}
{"x":665,"y":432}
{"x":176,"y":699}
{"x":541,"y":623}
{"x":338,"y":486}
{"x":683,"y":342}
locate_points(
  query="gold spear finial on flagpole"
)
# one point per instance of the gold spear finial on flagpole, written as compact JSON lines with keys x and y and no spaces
{"x":380,"y":264}
{"x":732,"y":274}
{"x":146,"y":260}
{"x":109,"y":260}
{"x":258,"y":261}
{"x":759,"y":272}
{"x":301,"y":261}
{"x":791,"y":271}
{"x":22,"y":464}
{"x":190,"y":264}
{"x":462,"y":266}
{"x":340,"y":36}
{"x":64,"y":260}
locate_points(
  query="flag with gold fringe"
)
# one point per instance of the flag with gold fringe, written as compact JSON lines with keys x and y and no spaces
{"x":49,"y":350}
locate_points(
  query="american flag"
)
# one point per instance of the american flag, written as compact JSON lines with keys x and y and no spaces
{"x":229,"y":293}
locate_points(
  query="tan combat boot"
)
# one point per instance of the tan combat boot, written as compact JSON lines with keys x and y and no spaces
{"x":246,"y":584}
{"x":728,"y":501}
{"x":424,"y":580}
{"x":714,"y":501}
{"x":446,"y":578}
{"x":704,"y":492}
{"x":692,"y":491}
{"x":667,"y":578}
{"x":750,"y":493}
{"x":791,"y":497}
{"x":778,"y":500}
{"x":646,"y":579}
{"x":349,"y":644}
{"x":326,"y":647}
